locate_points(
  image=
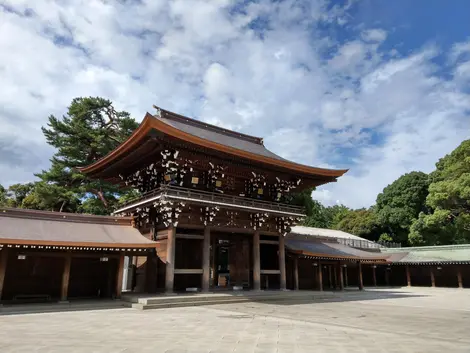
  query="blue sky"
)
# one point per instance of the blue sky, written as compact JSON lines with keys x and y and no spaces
{"x":379,"y":87}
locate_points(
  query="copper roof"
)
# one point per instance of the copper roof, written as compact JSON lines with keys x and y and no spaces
{"x":333,"y":250}
{"x":208,"y":136}
{"x":27,"y":227}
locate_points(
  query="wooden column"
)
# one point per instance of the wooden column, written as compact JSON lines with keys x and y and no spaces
{"x":120,"y":276}
{"x":341,"y":281}
{"x":282,"y":262}
{"x":3,"y":268}
{"x":206,"y":259}
{"x":374,"y":277}
{"x":335,"y":276}
{"x":320,"y":277}
{"x":346,"y":277}
{"x":433,"y":279}
{"x":256,"y":262}
{"x":459,"y":276}
{"x":215,"y":265}
{"x":387,"y":276}
{"x":65,"y":278}
{"x":359,"y":274}
{"x":170,"y":259}
{"x":408,"y":276}
{"x":330,"y":278}
{"x":296,"y":273}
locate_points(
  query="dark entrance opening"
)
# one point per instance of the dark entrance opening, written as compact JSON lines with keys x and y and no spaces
{"x":93,"y":277}
{"x":33,"y":278}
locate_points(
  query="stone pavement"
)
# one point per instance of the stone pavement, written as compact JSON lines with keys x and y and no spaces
{"x":407,"y":320}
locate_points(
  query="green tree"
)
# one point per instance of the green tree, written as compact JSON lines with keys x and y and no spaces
{"x":363,"y":223}
{"x":90,"y":130}
{"x":3,"y":196}
{"x":16,"y":193}
{"x":400,"y":204}
{"x":449,"y":199}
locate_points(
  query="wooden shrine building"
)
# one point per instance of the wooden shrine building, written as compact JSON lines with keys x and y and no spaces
{"x":48,"y":256}
{"x":217,"y":203}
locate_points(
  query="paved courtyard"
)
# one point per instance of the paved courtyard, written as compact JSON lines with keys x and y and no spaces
{"x":408,"y":320}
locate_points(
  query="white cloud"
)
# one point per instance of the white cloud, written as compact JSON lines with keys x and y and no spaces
{"x":379,"y":117}
{"x":374,"y":35}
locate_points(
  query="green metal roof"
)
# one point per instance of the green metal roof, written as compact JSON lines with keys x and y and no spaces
{"x":429,"y":254}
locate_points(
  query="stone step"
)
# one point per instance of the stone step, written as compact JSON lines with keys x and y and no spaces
{"x":187,"y":301}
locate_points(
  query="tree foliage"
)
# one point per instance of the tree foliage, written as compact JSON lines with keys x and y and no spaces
{"x":449,"y":200}
{"x":400,"y":204}
{"x":363,"y":223}
{"x":90,"y":130}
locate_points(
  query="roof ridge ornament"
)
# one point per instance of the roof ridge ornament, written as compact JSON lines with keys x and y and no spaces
{"x":158,"y":112}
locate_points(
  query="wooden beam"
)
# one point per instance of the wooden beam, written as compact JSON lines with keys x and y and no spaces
{"x":189,"y":271}
{"x":119,"y":275}
{"x":359,"y":270}
{"x":282,"y":262}
{"x":256,"y":262}
{"x":206,"y":259}
{"x":296,"y":273}
{"x":66,"y":278}
{"x":272,"y":242}
{"x":270,"y":272}
{"x":3,"y":268}
{"x":190,"y":236}
{"x":170,"y":259}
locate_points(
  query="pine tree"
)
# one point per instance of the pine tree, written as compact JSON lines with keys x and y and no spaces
{"x":90,"y":130}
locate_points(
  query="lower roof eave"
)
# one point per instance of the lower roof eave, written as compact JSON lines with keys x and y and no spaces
{"x":339,"y":258}
{"x":41,"y":244}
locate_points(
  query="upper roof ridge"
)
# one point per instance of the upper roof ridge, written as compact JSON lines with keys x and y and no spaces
{"x":166,"y":114}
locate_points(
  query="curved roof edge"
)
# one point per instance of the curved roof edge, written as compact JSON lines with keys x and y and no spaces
{"x":150,"y":122}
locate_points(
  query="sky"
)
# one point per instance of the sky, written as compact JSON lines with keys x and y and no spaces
{"x":379,"y":87}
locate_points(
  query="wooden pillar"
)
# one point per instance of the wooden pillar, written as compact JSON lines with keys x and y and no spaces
{"x":459,"y":276}
{"x":215,"y":265}
{"x":3,"y":268}
{"x":296,"y":273}
{"x":408,"y":276}
{"x":282,"y":262}
{"x":330,"y":279}
{"x":335,"y":276}
{"x":346,"y":277}
{"x":341,"y":281}
{"x":320,"y":277}
{"x":206,"y":259}
{"x":256,"y":262}
{"x":65,"y":278}
{"x":359,"y":274}
{"x":119,"y":275}
{"x":374,"y":277}
{"x":387,"y":275}
{"x":170,"y":259}
{"x":433,"y":279}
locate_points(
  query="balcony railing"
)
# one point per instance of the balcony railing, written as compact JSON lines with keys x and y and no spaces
{"x":210,"y":198}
